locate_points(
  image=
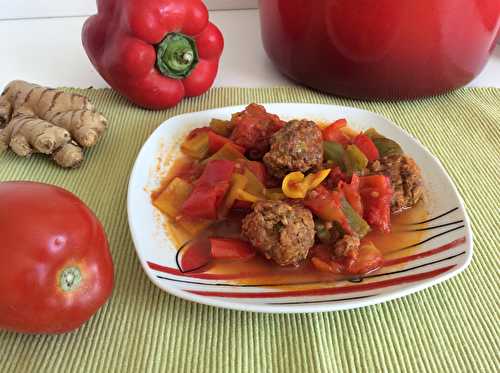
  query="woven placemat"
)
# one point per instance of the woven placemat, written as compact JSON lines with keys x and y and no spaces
{"x":451,"y":327}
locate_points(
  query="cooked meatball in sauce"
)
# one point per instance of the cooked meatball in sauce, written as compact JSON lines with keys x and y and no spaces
{"x":406,"y":180}
{"x":280,"y":231}
{"x":296,"y":147}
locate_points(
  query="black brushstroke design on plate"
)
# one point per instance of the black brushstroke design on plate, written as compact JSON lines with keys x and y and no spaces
{"x":311,"y":282}
{"x":325,"y":300}
{"x":179,"y":264}
{"x":433,"y":227}
{"x":435,"y":218}
{"x":426,"y":240}
{"x":193,"y":270}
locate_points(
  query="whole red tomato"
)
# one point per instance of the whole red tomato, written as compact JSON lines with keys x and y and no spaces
{"x":55,"y":266}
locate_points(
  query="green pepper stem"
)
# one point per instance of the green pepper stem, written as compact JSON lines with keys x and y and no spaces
{"x":176,"y":55}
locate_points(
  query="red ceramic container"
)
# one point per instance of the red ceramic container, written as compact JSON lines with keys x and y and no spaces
{"x":380,"y":48}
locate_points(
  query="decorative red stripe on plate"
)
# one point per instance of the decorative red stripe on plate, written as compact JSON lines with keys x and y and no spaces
{"x":235,"y":276}
{"x":328,"y":291}
{"x":425,"y":254}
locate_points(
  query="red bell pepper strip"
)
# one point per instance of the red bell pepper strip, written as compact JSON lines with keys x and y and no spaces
{"x":366,"y":145}
{"x":259,"y":170}
{"x":209,"y":190}
{"x":231,"y":248}
{"x":195,"y":255}
{"x":338,"y":124}
{"x":253,"y":128}
{"x":154,"y":52}
{"x":215,"y":142}
{"x":333,"y":132}
{"x":351,"y":193}
{"x":365,"y":259}
{"x":369,"y":258}
{"x":376,"y":194}
{"x":326,"y":205}
{"x":336,"y":176}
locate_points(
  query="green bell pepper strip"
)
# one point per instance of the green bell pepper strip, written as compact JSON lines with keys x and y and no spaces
{"x":356,"y":222}
{"x":355,"y":160}
{"x":335,"y":153}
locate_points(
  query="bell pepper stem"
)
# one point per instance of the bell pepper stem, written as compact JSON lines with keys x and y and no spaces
{"x":176,"y":55}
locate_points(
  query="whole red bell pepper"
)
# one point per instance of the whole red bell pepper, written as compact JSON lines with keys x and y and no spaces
{"x":154,"y":52}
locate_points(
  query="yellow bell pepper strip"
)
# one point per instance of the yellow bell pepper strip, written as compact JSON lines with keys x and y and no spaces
{"x":293,"y":185}
{"x":228,"y":152}
{"x":296,"y":185}
{"x":314,"y":180}
{"x":254,"y":185}
{"x":170,"y":200}
{"x":354,"y":159}
{"x":247,"y":197}
{"x":221,"y":127}
{"x":349,"y":132}
{"x":193,"y":226}
{"x":275,"y":194}
{"x":196,"y":146}
{"x":238,"y":182}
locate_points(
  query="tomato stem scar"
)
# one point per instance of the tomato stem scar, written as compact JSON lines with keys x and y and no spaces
{"x":70,"y":278}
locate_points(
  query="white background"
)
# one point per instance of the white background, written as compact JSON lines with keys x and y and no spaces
{"x":10,"y":9}
{"x":41,"y":43}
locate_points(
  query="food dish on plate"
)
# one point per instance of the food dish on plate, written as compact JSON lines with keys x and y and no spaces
{"x":299,"y":199}
{"x":429,"y":243}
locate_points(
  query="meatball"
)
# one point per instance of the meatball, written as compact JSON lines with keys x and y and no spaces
{"x":347,"y":246}
{"x":406,"y":180}
{"x":281,"y":232}
{"x":296,"y":147}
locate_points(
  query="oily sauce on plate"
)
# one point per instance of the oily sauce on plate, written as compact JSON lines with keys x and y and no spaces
{"x":260,"y":271}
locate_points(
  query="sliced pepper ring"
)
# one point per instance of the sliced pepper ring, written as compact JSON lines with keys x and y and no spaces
{"x":296,"y":185}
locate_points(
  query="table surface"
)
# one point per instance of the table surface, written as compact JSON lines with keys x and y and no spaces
{"x":48,"y":51}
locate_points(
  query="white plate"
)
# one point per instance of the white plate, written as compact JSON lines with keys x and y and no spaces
{"x":446,"y":248}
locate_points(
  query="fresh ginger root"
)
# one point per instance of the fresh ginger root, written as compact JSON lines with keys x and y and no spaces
{"x":44,"y":120}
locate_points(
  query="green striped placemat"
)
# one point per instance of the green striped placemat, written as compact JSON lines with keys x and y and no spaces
{"x":451,"y":327}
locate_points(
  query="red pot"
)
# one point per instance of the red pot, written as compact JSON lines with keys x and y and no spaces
{"x":380,"y":48}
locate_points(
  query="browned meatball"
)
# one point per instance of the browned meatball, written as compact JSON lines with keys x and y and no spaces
{"x":298,"y":146}
{"x":347,"y":246}
{"x":406,"y":180}
{"x":281,"y":232}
